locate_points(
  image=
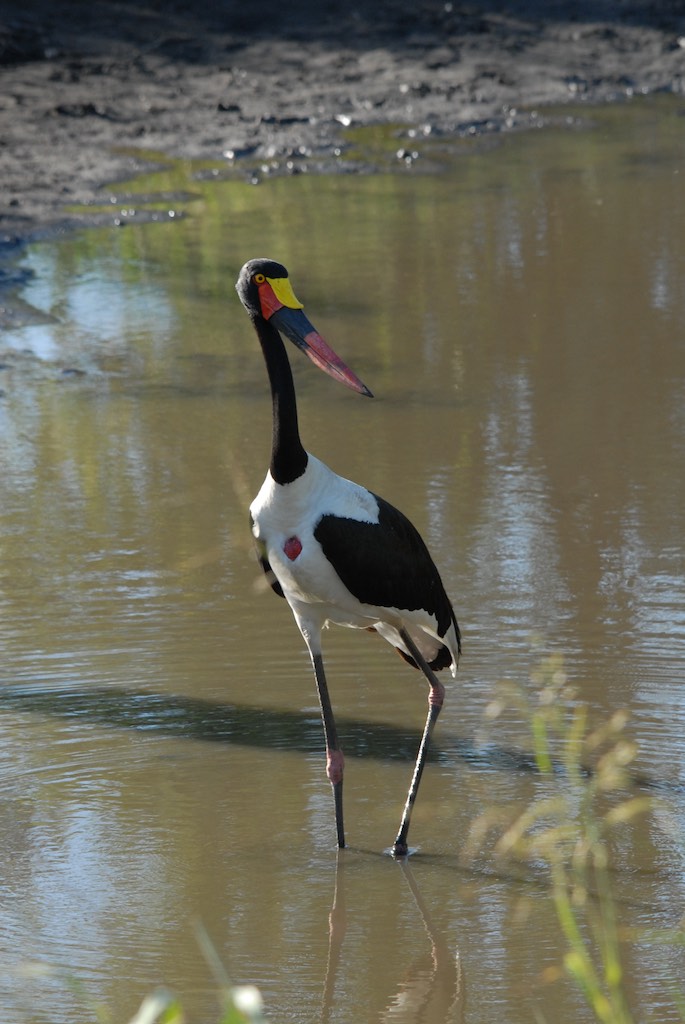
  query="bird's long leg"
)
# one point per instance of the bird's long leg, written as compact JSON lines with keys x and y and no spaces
{"x":435,"y":702}
{"x":335,"y":762}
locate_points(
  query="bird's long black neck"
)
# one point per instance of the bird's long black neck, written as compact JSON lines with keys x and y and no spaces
{"x":288,"y":457}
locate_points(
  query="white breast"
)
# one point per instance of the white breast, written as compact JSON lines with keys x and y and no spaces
{"x":281,"y":512}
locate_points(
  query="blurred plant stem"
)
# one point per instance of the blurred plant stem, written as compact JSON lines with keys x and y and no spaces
{"x":568,"y":828}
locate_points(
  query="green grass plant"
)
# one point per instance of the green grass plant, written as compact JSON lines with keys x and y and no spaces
{"x":585,"y":793}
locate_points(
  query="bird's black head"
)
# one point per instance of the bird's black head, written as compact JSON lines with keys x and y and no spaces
{"x":254,"y":273}
{"x":267,"y":295}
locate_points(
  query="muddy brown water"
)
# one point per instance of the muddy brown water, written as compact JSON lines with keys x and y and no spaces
{"x":520,"y":316}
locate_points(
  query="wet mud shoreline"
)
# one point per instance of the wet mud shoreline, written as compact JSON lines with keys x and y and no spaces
{"x":85,"y":86}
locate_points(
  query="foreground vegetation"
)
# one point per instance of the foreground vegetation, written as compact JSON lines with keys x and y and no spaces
{"x":591,"y":795}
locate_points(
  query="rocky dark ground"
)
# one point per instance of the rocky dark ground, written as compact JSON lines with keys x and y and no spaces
{"x":82,"y":84}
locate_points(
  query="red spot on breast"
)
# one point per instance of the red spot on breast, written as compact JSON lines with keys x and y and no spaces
{"x":292,"y":547}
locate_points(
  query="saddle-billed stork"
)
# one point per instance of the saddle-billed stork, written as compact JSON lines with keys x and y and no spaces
{"x":334,"y":550}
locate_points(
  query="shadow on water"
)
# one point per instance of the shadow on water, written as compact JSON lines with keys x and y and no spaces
{"x":197,"y":719}
{"x":275,"y":729}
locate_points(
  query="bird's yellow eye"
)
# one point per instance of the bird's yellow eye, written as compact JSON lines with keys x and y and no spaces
{"x":259,"y":279}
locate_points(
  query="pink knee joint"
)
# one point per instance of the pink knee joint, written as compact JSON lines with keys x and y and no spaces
{"x":335,"y":765}
{"x":436,"y":696}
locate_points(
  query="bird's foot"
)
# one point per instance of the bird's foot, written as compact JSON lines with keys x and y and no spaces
{"x":398,"y":851}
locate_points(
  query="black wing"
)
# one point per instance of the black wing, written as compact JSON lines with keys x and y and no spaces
{"x":386,"y":563}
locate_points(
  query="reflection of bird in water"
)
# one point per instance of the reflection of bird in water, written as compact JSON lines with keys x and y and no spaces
{"x":432,"y":991}
{"x":336,"y":551}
